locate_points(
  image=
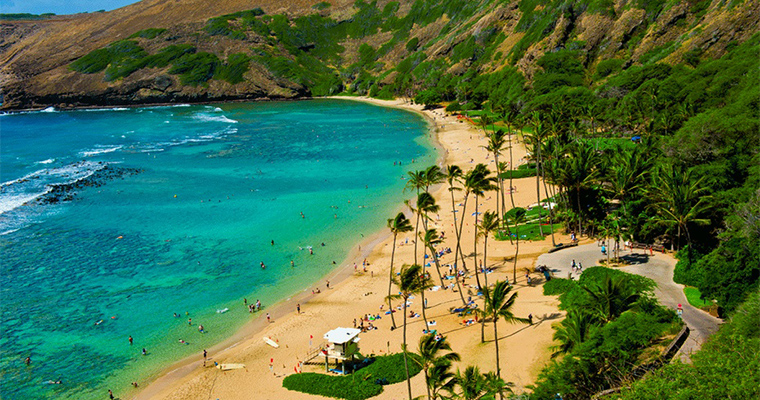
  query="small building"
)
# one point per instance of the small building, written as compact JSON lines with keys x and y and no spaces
{"x":343,"y":345}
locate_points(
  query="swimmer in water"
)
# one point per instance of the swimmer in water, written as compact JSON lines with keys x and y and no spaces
{"x":262,"y":265}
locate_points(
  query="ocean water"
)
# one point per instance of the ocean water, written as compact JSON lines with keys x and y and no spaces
{"x":113,"y":220}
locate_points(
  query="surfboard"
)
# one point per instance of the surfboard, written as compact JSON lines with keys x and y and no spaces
{"x":271,"y":342}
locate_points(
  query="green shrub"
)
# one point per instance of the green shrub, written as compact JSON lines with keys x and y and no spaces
{"x":607,"y":67}
{"x":358,"y":386}
{"x":122,"y":57}
{"x":195,"y":69}
{"x":168,"y":54}
{"x":232,"y":71}
{"x":150,"y":33}
{"x":519,"y":173}
{"x":559,"y":286}
{"x":412,"y":44}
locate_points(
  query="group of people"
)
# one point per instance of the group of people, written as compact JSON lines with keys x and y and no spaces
{"x":253,"y":306}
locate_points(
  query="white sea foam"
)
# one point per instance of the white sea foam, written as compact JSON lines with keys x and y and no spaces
{"x":99,"y":150}
{"x":214,"y":118}
{"x":48,"y":161}
{"x":106,"y":109}
{"x":49,"y":109}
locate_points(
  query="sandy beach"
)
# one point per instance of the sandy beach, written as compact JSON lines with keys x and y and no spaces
{"x":524,"y":348}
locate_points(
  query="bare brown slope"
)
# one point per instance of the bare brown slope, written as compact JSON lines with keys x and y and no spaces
{"x":34,"y":55}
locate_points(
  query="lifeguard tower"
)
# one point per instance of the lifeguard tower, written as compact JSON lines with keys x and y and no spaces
{"x":343,"y":345}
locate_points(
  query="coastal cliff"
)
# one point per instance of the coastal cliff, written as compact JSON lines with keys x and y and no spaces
{"x":266,"y":49}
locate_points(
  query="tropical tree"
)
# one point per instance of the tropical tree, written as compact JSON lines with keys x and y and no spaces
{"x":476,"y":386}
{"x":572,"y":331}
{"x":516,"y":216}
{"x":496,"y":142}
{"x":430,"y":351}
{"x":679,"y":199}
{"x":477,"y":182}
{"x":611,"y":297}
{"x":410,"y":281}
{"x":577,"y":172}
{"x":488,"y":226}
{"x":416,"y":181}
{"x":396,"y":225}
{"x":498,"y":304}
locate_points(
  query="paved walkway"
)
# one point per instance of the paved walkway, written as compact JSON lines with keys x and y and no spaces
{"x":658,"y":267}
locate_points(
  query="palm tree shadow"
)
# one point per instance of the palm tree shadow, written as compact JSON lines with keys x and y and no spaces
{"x":635,"y":258}
{"x":549,"y":317}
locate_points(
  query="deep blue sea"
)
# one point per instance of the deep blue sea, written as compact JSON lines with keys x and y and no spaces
{"x":113,"y":220}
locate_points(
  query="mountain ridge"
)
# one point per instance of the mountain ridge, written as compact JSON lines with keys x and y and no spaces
{"x":35,"y":56}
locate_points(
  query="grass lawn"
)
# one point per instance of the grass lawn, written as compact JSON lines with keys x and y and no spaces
{"x":693,"y":297}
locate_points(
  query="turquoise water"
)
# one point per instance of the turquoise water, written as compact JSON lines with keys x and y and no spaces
{"x":179,"y":209}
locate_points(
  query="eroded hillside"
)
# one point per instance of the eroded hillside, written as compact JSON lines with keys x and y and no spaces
{"x":202,"y":50}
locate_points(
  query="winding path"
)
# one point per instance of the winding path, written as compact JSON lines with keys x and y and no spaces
{"x":658,"y":267}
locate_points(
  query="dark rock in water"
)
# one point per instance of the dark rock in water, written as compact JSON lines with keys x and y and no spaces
{"x":68,"y":191}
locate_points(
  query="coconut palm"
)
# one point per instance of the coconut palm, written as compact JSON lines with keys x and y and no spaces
{"x":498,"y":304}
{"x":536,"y":140}
{"x":516,"y":216}
{"x":440,"y":379}
{"x":475,"y":386}
{"x":411,"y":280}
{"x":416,"y":181}
{"x":488,"y":226}
{"x":572,"y":331}
{"x":396,"y":225}
{"x":578,"y":172}
{"x":496,"y":142}
{"x":476,"y":182}
{"x":430,"y":351}
{"x":426,"y":205}
{"x":611,"y":297}
{"x":679,"y":199}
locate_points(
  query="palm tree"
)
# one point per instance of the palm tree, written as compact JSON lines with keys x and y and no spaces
{"x":441,"y":379}
{"x":578,"y":172}
{"x":417,"y":182}
{"x":396,"y":225}
{"x":572,"y":331}
{"x":498,"y":305}
{"x":453,"y":175}
{"x":517,"y":217}
{"x":536,"y":140}
{"x":679,"y":199}
{"x":426,"y":205}
{"x":496,"y":142}
{"x":475,"y":386}
{"x":430,"y":356}
{"x":488,"y":225}
{"x":612,"y":297}
{"x":627,"y":174}
{"x":411,"y":280}
{"x":476,"y":182}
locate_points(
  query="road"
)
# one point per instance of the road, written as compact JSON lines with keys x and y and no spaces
{"x":658,"y":267}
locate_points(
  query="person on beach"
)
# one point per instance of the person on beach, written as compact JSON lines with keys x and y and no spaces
{"x":298,"y":307}
{"x":245,"y":301}
{"x":182,"y":341}
{"x":269,"y":320}
{"x":328,"y":284}
{"x":190,"y":322}
{"x":200,"y":329}
{"x":311,"y":251}
{"x":110,"y":394}
{"x":258,"y":304}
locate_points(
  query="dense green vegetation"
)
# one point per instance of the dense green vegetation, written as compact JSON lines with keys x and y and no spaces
{"x":611,"y":320}
{"x":725,"y":368}
{"x":24,"y":16}
{"x":358,"y":386}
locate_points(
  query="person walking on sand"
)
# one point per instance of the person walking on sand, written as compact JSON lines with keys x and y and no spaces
{"x":328,"y":284}
{"x":110,"y":394}
{"x":298,"y":307}
{"x":269,"y":320}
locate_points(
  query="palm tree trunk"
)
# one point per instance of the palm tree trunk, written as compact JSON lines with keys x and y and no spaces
{"x":416,"y":230}
{"x":551,"y":218}
{"x":437,"y":264}
{"x":538,"y":186}
{"x":461,"y":227}
{"x":578,"y":200}
{"x":424,"y":315}
{"x":475,"y":244}
{"x":496,"y":342}
{"x":390,"y":281}
{"x":517,"y":251}
{"x":485,"y":260}
{"x":406,"y":362}
{"x":427,"y":384}
{"x":512,"y":168}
